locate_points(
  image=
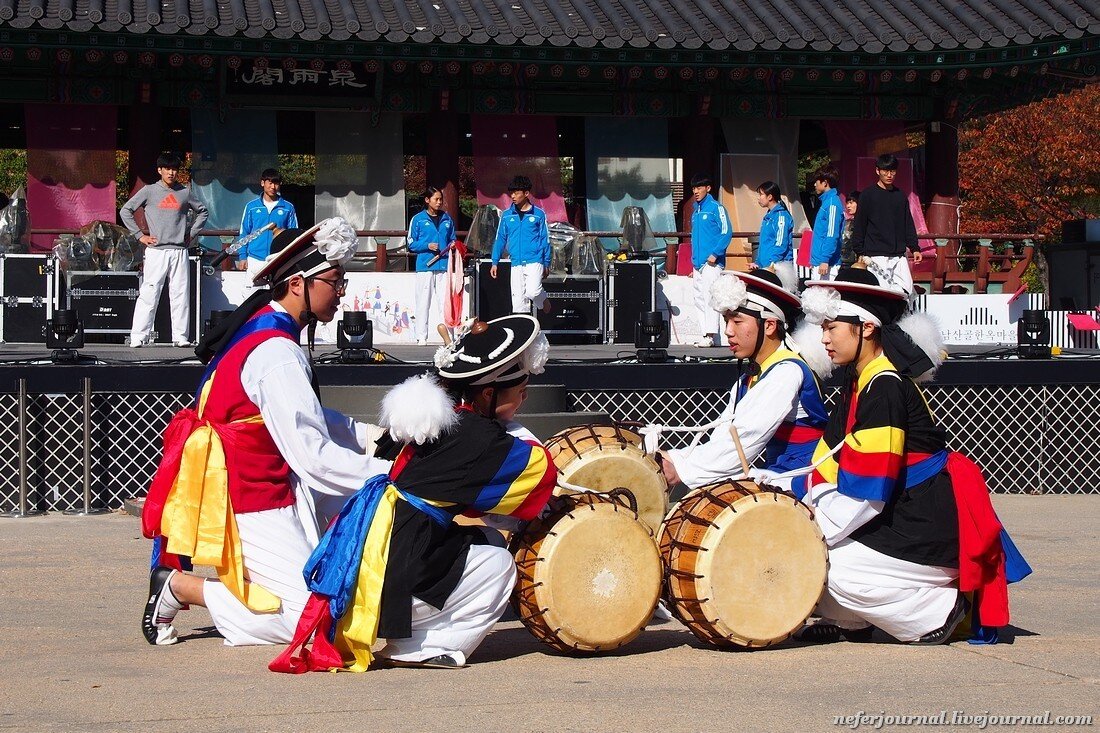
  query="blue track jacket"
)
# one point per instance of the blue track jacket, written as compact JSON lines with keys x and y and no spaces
{"x":256,"y":216}
{"x":422,"y":232}
{"x":710,"y":232}
{"x":775,"y":237}
{"x":827,"y":230}
{"x":525,"y":235}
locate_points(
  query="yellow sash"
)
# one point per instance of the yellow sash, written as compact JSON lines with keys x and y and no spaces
{"x":198,"y":517}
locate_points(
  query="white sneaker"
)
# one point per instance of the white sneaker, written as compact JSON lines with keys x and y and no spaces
{"x":136,"y":344}
{"x":183,"y":344}
{"x":422,"y":342}
{"x":705,"y":343}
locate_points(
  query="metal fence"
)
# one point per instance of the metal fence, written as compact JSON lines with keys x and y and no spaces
{"x":1028,"y":439}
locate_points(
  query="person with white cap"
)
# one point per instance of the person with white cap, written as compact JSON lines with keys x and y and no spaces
{"x":235,"y":486}
{"x":776,"y":404}
{"x":430,"y":587}
{"x":908,"y":524}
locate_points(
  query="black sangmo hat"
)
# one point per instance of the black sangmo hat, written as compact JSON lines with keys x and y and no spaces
{"x":759,"y":294}
{"x":493,"y":352}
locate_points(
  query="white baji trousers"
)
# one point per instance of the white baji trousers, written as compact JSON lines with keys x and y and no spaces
{"x":275,"y":550}
{"x":904,"y":599}
{"x":527,"y":290}
{"x":162,"y":263}
{"x":710,"y":320}
{"x":431,"y":287}
{"x":474,"y":607}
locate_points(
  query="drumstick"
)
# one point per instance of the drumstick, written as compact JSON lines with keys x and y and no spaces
{"x":740,"y":449}
{"x":444,"y":333}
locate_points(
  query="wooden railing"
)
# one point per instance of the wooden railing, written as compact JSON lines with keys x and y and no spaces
{"x":952,"y":265}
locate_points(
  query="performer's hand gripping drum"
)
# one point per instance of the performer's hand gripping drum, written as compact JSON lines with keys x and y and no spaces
{"x":607,"y":457}
{"x":588,"y":573}
{"x":744,"y":564}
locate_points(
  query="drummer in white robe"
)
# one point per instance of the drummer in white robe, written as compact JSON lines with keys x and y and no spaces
{"x":776,"y":405}
{"x":290,"y":462}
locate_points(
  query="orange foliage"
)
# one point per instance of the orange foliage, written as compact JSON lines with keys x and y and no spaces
{"x":1028,"y":169}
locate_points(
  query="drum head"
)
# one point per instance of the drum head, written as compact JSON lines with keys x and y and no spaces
{"x":567,"y":444}
{"x":619,"y":466}
{"x":765,"y":569}
{"x":599,"y":577}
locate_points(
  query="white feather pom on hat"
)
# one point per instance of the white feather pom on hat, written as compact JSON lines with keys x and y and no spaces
{"x":924,"y":330}
{"x":418,"y":410}
{"x":806,"y":340}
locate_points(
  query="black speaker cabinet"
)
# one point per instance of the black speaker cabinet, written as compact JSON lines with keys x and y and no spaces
{"x":28,"y":291}
{"x":631,"y":291}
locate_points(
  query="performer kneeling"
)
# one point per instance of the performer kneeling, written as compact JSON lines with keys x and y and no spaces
{"x":776,"y":404}
{"x":234,"y":489}
{"x":890,"y":502}
{"x":433,"y":589}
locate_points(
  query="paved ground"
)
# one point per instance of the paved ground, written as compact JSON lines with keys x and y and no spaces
{"x":72,"y":658}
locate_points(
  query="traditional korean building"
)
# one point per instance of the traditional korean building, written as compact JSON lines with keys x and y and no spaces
{"x":638,"y":95}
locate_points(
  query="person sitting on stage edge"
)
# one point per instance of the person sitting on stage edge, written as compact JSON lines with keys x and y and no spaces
{"x":710,"y":236}
{"x":775,"y":252}
{"x":883,"y":229}
{"x":825,"y":249}
{"x":235,"y":486}
{"x":523,"y":231}
{"x":432,"y":588}
{"x":269,"y":208}
{"x":165,"y":203}
{"x":776,"y":405}
{"x":431,"y":234}
{"x":907,"y":524}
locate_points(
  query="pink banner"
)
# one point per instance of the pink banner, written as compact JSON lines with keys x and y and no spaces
{"x":70,"y":167}
{"x":518,"y":145}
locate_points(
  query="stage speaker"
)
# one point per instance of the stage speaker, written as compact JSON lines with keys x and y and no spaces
{"x":631,"y":291}
{"x":494,"y":297}
{"x":28,"y":291}
{"x":577,"y":312}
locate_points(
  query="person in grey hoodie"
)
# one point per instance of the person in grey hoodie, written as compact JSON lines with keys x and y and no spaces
{"x":166,"y":203}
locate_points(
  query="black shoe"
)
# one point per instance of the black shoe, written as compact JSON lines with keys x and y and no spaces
{"x":819,"y":634}
{"x":858,"y":636}
{"x":831,"y":633}
{"x":158,"y":586}
{"x":943,"y":634}
{"x":443,"y":661}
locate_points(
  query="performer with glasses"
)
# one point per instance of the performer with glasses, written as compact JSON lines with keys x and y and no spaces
{"x":235,"y":487}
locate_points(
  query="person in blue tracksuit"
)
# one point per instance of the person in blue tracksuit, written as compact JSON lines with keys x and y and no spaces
{"x":710,"y":236}
{"x":269,"y":208}
{"x":431,"y":234}
{"x":775,"y":252}
{"x":523,"y":231}
{"x":828,"y":226}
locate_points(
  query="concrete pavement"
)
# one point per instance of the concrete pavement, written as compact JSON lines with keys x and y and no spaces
{"x":72,"y":657}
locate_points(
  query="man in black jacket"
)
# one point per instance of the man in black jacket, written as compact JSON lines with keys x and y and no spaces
{"x":884,"y":229}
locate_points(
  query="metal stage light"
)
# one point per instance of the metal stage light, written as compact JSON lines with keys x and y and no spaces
{"x":651,"y":338}
{"x":354,"y":337}
{"x":65,"y":334}
{"x":1033,"y":335}
{"x":215,"y":318}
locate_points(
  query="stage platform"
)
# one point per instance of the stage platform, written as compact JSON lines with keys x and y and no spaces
{"x":165,"y":368}
{"x":1031,"y":424}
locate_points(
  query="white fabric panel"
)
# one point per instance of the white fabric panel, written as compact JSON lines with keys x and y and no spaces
{"x":360,"y":172}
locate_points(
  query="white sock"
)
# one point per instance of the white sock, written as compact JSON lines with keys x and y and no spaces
{"x":169,"y":605}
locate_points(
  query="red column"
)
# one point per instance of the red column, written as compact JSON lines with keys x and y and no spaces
{"x":700,"y":157}
{"x":441,"y":161}
{"x":942,"y":179}
{"x":144,"y":143}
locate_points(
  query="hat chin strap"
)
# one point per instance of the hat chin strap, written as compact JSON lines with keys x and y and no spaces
{"x":310,"y":319}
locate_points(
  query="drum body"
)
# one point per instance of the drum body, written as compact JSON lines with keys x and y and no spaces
{"x":589,"y":575}
{"x":744,"y":565}
{"x":607,"y":457}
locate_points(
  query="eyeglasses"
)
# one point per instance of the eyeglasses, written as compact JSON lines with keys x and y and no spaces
{"x":340,"y":286}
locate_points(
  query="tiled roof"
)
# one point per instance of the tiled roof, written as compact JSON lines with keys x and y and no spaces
{"x":869,"y":26}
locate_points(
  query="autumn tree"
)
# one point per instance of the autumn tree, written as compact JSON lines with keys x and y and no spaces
{"x":1028,"y":169}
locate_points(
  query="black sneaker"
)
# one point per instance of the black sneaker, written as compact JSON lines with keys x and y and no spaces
{"x":157,"y":634}
{"x":831,"y":633}
{"x":443,"y":661}
{"x":943,"y":634}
